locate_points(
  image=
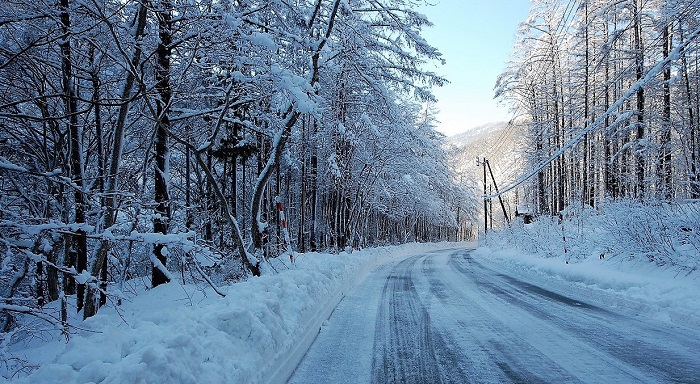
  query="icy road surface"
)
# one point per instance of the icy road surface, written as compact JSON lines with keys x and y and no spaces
{"x":443,"y":317}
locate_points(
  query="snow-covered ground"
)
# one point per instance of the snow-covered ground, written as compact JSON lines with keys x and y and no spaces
{"x":651,"y":290}
{"x":263,"y":327}
{"x":188,"y":334}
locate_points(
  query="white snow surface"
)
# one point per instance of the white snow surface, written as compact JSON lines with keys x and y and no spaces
{"x":188,"y":334}
{"x":263,"y":327}
{"x":650,"y":290}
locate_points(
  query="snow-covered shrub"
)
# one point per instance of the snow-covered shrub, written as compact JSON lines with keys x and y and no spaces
{"x":568,"y":237}
{"x":666,"y":234}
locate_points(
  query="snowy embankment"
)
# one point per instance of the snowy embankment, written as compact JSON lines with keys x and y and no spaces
{"x":632,"y":284}
{"x":643,"y":257}
{"x":188,"y":334}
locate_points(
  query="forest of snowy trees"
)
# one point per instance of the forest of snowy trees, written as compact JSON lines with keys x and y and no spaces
{"x":152,"y":139}
{"x":610,"y":94}
{"x":190,"y":140}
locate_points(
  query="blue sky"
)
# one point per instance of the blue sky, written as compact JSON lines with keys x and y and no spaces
{"x":476,"y":39}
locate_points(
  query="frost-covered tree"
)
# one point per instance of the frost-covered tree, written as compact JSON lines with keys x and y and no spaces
{"x":607,"y":90}
{"x":157,"y":135}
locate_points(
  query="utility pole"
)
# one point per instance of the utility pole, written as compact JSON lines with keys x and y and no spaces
{"x":486,"y":207}
{"x":503,"y":206}
{"x":490,"y":209}
{"x":488,"y":203}
{"x":459,"y":213}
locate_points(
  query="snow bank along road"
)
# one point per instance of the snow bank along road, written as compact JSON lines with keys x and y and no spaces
{"x":444,"y":317}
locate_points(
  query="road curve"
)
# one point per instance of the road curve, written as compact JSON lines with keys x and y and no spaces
{"x":443,"y":317}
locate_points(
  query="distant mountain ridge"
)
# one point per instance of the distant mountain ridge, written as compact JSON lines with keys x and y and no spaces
{"x":477,"y":133}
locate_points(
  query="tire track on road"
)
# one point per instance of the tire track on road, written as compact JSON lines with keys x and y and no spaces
{"x":407,"y":348}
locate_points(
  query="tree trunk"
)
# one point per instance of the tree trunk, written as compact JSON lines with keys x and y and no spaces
{"x":314,"y":190}
{"x":639,"y":71}
{"x":303,"y":187}
{"x":77,"y":247}
{"x":162,"y":77}
{"x":666,"y":166}
{"x":587,"y":196}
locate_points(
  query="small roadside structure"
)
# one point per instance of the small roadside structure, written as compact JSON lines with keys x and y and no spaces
{"x":524,"y":211}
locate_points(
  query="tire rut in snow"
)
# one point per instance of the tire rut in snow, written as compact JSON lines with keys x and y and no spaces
{"x":407,"y":349}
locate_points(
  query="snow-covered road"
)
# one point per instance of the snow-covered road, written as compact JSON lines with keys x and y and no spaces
{"x":444,"y":317}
